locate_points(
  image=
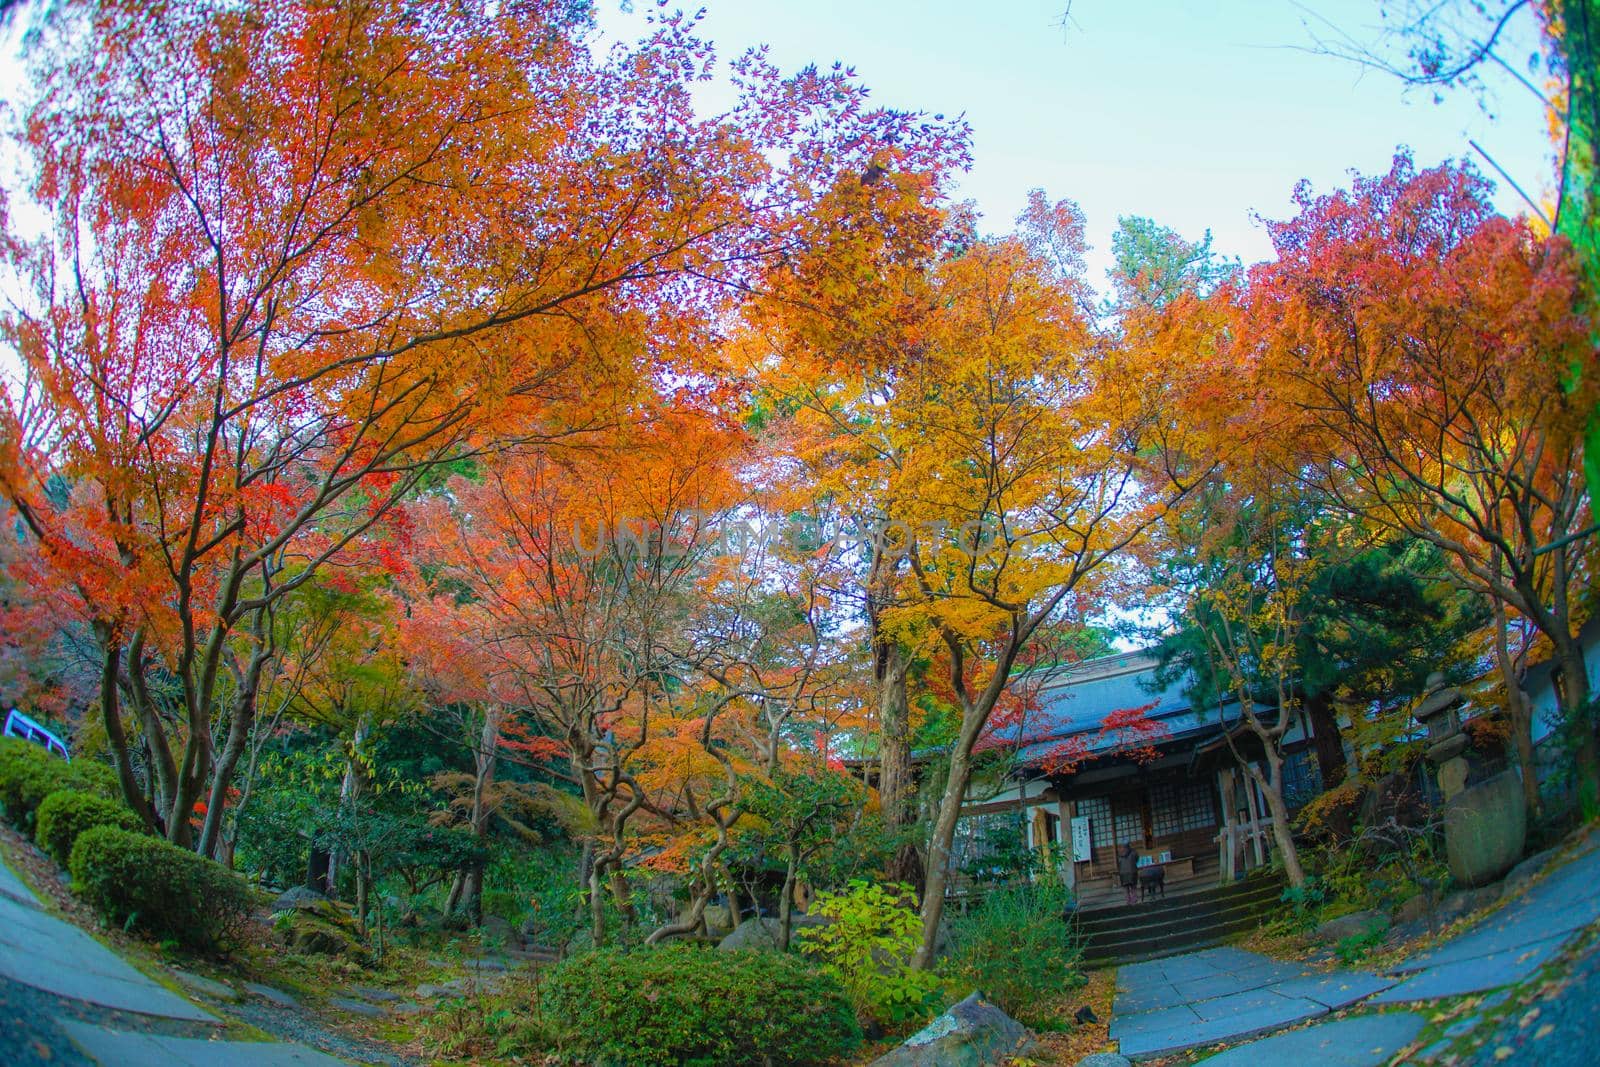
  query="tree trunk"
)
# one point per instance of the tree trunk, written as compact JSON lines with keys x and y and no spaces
{"x":1325,"y":736}
{"x":1272,"y":789}
{"x":317,"y":870}
{"x":896,"y":790}
{"x":1520,"y":711}
{"x":944,"y":835}
{"x":111,"y":714}
{"x":786,"y":902}
{"x":362,"y":892}
{"x":1573,"y":692}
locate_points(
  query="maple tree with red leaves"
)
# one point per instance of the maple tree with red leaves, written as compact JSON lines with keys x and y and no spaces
{"x":299,"y":255}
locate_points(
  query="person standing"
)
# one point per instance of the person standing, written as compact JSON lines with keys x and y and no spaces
{"x":1128,"y":870}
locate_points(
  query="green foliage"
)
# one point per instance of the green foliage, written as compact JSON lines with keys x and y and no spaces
{"x":1381,"y":868}
{"x":29,"y":773}
{"x":1302,"y":905}
{"x":1357,"y":947}
{"x":1017,"y":947}
{"x":680,"y":1004}
{"x":159,"y":889}
{"x":66,"y":813}
{"x":869,"y":946}
{"x":496,"y":1024}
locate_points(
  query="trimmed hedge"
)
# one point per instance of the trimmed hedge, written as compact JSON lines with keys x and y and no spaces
{"x":66,"y":813}
{"x":684,"y":1004}
{"x":166,"y":892}
{"x":29,"y":773}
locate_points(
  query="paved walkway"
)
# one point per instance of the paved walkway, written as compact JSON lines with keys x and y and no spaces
{"x":1223,"y":994}
{"x":1228,"y":994}
{"x":67,"y":999}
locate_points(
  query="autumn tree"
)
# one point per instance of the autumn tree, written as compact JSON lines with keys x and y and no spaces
{"x":824,"y":344}
{"x":561,"y":583}
{"x":1422,"y":352}
{"x":297,"y":255}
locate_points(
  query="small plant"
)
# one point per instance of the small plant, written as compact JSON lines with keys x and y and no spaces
{"x":869,"y":947}
{"x":163,"y":891}
{"x":1357,"y":947}
{"x":1017,"y":947}
{"x":681,"y":1004}
{"x":66,"y":813}
{"x":1303,"y":904}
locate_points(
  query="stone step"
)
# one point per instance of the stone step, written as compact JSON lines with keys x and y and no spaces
{"x":1160,"y":928}
{"x":1194,"y":906}
{"x":1160,"y":947}
{"x":1171,"y":925}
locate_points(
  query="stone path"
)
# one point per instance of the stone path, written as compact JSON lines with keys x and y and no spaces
{"x":1228,"y":994}
{"x":1355,"y":1042}
{"x":1513,"y":942}
{"x":1220,"y":994}
{"x":69,"y":999}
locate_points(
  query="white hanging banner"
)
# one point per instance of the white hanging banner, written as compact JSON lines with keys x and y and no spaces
{"x":1080,"y":839}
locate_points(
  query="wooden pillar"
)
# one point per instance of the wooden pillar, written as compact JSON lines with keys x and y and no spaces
{"x":1226,"y":834}
{"x":1255,"y":820}
{"x":1067,"y":810}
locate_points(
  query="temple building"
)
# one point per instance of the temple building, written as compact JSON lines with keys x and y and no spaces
{"x":1166,"y":779}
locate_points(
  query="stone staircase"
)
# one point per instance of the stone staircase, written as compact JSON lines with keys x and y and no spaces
{"x":1177,"y":923}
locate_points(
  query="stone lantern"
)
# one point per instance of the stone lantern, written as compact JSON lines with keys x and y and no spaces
{"x":1440,"y":714}
{"x":1485,"y":825}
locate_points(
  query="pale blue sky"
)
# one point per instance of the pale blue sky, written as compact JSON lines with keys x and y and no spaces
{"x":1195,"y":114}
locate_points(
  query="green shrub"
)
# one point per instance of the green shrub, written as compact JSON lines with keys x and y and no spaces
{"x":91,"y":776}
{"x":29,"y":773}
{"x":66,"y":813}
{"x":1017,"y":947}
{"x":165,"y":892}
{"x":869,"y":947}
{"x":684,"y":1004}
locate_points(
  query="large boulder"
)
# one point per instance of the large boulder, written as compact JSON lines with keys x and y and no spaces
{"x":299,"y":897}
{"x":717,"y":917}
{"x":499,"y":930}
{"x":763,"y":933}
{"x":972,"y":1033}
{"x":320,"y":927}
{"x":1485,"y":827}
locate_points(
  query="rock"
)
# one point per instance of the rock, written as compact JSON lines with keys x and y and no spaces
{"x":972,"y":1033}
{"x":1465,"y":902}
{"x":300,"y":896}
{"x":1526,"y":871}
{"x":1352,"y":925}
{"x":453,"y":988}
{"x":312,"y":935}
{"x":356,"y":1007}
{"x":206,"y":987}
{"x":763,"y":933}
{"x":1085,"y":1016}
{"x":408,"y":1007}
{"x":499,"y":931}
{"x":486,"y":965}
{"x":1485,"y":827}
{"x":1412,"y":909}
{"x":1104,"y":1059}
{"x":268,"y":993}
{"x":376,"y":996}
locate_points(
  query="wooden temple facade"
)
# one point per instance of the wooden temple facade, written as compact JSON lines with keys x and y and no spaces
{"x":1191,"y":808}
